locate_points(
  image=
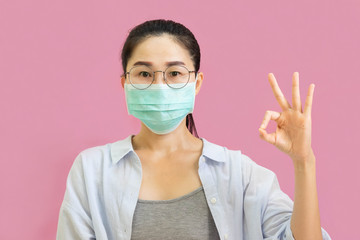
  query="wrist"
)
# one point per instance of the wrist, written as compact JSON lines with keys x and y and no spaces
{"x":305,"y":164}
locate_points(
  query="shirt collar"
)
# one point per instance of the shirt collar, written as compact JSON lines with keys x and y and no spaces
{"x":122,"y":147}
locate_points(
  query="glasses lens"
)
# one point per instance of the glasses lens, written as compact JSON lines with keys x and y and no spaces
{"x":141,"y":75}
{"x":177,"y":76}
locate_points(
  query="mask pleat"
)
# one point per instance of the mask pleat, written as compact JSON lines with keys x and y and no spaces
{"x":160,"y":107}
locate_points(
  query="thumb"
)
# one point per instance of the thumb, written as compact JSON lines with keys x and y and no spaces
{"x":270,"y":138}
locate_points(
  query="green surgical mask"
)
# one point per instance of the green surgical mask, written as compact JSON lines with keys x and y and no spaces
{"x":160,"y":107}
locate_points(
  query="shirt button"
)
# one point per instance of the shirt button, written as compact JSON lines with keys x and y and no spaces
{"x":203,"y":159}
{"x":226,"y":236}
{"x":213,"y":200}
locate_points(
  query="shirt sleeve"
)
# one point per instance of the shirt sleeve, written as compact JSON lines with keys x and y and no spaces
{"x":74,"y":217}
{"x":274,"y":205}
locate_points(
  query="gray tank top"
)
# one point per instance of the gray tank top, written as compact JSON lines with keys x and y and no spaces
{"x":185,"y":217}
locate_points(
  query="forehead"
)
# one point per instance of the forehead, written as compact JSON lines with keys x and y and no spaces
{"x":158,"y":50}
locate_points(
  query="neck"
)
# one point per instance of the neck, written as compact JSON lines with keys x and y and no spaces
{"x":179,"y":139}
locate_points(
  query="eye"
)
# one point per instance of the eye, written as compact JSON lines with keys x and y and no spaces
{"x":144,"y":74}
{"x":174,"y":74}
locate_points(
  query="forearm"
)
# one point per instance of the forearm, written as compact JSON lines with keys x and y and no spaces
{"x":305,"y":220}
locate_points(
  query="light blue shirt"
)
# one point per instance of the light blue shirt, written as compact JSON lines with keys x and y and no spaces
{"x":103,"y":186}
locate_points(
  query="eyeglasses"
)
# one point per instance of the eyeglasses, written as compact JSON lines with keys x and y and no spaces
{"x":175,"y":76}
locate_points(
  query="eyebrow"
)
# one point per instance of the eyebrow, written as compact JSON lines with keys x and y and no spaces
{"x":168,"y":64}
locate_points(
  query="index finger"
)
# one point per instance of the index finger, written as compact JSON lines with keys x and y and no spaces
{"x":284,"y":104}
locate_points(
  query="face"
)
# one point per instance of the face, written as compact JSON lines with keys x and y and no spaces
{"x":158,"y":51}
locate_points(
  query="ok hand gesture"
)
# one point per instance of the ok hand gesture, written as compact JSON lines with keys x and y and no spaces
{"x":293,"y":131}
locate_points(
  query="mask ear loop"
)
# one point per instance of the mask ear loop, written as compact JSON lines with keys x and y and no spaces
{"x":196,"y":78}
{"x":193,"y":106}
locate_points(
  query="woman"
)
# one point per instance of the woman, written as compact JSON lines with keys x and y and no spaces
{"x":166,"y":182}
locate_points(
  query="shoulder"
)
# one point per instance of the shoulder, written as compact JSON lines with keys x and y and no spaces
{"x":96,"y":157}
{"x":101,"y":158}
{"x":230,"y":157}
{"x":235,"y":161}
{"x":96,"y":153}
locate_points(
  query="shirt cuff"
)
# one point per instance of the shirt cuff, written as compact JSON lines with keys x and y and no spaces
{"x":288,"y":233}
{"x":289,"y":236}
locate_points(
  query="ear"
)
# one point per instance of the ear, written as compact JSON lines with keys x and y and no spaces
{"x":122,"y":80}
{"x":200,"y":78}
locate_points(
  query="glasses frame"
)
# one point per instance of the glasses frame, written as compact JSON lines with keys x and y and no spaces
{"x":163,"y":73}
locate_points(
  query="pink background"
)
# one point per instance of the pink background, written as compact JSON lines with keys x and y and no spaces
{"x":61,"y":93}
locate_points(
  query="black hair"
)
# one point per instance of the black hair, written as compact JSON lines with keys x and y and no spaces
{"x":180,"y":34}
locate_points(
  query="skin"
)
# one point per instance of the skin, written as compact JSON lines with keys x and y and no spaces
{"x":293,"y":137}
{"x":170,"y":161}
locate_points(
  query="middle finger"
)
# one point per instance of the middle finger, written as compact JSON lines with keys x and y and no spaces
{"x":296,"y":93}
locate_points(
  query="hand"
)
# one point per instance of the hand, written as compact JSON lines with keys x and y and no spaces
{"x":293,"y":131}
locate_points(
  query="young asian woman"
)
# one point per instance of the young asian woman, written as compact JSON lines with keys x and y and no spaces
{"x":168,"y":183}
